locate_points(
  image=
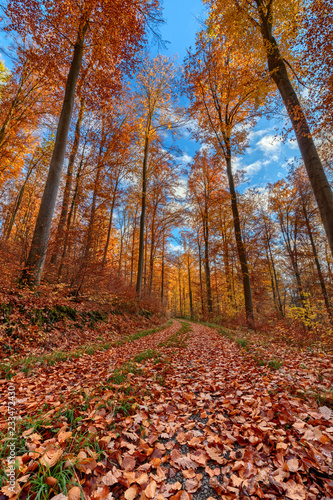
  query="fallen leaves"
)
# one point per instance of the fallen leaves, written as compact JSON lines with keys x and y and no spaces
{"x":218,"y":421}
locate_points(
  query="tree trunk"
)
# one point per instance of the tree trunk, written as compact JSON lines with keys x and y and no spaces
{"x":133,"y":246}
{"x":277,"y":67}
{"x":68,"y":185}
{"x":106,"y":248}
{"x":69,"y":218}
{"x":315,"y":256}
{"x":200,"y":279}
{"x":34,"y":266}
{"x":162,"y":270}
{"x":190,"y":285}
{"x":152,"y":253}
{"x":240,"y":248}
{"x":18,"y":202}
{"x":206,"y":259}
{"x":180,"y":290}
{"x":142,"y":218}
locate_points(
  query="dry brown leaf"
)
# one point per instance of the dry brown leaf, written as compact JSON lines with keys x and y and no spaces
{"x":131,"y":492}
{"x":236,"y":481}
{"x":101,"y":494}
{"x":293,"y":465}
{"x":74,"y":493}
{"x":109,"y":479}
{"x":128,"y":463}
{"x":186,"y":463}
{"x":51,"y":481}
{"x":7,"y":490}
{"x":142,"y":479}
{"x":28,"y":432}
{"x":190,"y":474}
{"x":215,"y":455}
{"x":87,"y":465}
{"x":151,"y":489}
{"x":62,"y":436}
{"x":51,"y":457}
{"x":191,"y":485}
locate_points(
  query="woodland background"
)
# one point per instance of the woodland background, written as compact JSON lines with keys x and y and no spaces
{"x":114,"y":223}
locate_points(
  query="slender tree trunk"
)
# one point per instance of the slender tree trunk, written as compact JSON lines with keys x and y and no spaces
{"x":68,"y":185}
{"x":280,"y":306}
{"x":277,"y":67}
{"x":18,"y":202}
{"x":319,"y":271}
{"x":240,"y":247}
{"x":34,"y":266}
{"x":69,"y":218}
{"x":90,"y":231}
{"x":133,"y":246}
{"x":190,"y":285}
{"x":106,"y":248}
{"x":142,"y":218}
{"x":180,"y":290}
{"x":162,"y":270}
{"x":205,"y":227}
{"x":13,"y":106}
{"x":200,"y":279}
{"x":152,"y":253}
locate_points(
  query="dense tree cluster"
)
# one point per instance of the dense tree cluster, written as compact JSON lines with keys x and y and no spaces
{"x":91,"y":178}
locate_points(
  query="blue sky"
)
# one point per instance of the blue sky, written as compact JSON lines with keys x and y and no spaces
{"x":267,"y":159}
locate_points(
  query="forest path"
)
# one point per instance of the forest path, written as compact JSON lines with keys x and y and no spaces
{"x":183,"y":415}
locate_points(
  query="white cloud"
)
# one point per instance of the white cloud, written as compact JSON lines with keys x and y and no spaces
{"x":181,"y":189}
{"x":255,"y":167}
{"x":270,"y":145}
{"x":292,"y":143}
{"x":185,"y":159}
{"x":254,"y":134}
{"x":175,"y":248}
{"x":236,"y":165}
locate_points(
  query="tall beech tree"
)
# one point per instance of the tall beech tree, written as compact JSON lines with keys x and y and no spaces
{"x":225,"y":94}
{"x":156,"y":103}
{"x":66,"y":31}
{"x":272,"y":27}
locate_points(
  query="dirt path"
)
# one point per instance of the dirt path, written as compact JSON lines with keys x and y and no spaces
{"x":204,"y":423}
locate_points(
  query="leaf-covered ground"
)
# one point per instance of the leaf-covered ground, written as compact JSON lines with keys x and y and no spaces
{"x":179,"y":413}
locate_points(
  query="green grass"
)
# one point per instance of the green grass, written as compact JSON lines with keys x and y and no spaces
{"x":274,"y":363}
{"x":144,"y":355}
{"x":177,"y":339}
{"x":242,"y":343}
{"x":27,"y":364}
{"x":143,"y":333}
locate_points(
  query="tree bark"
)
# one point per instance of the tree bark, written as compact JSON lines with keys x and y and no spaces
{"x":106,"y":248}
{"x":277,"y":67}
{"x":34,"y":266}
{"x":190,"y":285}
{"x":142,"y":218}
{"x":162,"y":270}
{"x":240,"y":247}
{"x":319,"y":271}
{"x":200,"y":279}
{"x":68,"y":185}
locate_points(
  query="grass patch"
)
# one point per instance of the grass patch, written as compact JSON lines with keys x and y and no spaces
{"x":242,"y":342}
{"x":27,"y":364}
{"x":177,"y":339}
{"x":274,"y":363}
{"x":143,"y":333}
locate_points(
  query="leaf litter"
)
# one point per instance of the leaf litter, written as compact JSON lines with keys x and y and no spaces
{"x":192,"y":419}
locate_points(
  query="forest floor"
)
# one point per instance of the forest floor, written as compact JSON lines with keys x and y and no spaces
{"x":182,"y":411}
